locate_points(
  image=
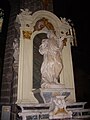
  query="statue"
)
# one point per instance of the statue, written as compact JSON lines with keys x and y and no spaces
{"x":52,"y":65}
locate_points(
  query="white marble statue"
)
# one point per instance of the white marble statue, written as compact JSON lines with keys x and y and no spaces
{"x":52,"y":65}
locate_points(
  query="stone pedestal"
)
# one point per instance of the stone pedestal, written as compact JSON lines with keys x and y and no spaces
{"x":56,"y":99}
{"x":47,"y":94}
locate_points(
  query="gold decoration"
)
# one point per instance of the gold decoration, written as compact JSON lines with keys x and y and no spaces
{"x":40,"y":24}
{"x":27,"y":34}
{"x":64,"y":41}
{"x":60,"y":110}
{"x":56,"y":94}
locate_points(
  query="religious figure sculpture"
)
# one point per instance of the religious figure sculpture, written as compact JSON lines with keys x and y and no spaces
{"x":59,"y":107}
{"x":52,"y":65}
{"x":15,"y":54}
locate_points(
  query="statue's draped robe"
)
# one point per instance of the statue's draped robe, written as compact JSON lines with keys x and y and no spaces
{"x":52,"y":63}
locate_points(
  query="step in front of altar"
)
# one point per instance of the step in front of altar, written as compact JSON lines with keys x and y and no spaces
{"x":34,"y":112}
{"x":41,"y":111}
{"x":78,"y":110}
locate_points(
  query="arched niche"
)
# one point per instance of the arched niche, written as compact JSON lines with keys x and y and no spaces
{"x":37,"y":60}
{"x":32,"y":25}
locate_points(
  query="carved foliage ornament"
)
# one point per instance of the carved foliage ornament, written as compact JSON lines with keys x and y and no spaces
{"x":34,"y":22}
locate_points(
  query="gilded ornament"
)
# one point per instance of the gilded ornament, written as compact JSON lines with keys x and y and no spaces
{"x":27,"y":34}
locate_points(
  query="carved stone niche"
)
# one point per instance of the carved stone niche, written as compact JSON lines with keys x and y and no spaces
{"x":36,"y":26}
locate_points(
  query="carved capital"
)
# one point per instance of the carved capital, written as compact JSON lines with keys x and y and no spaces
{"x":27,"y":34}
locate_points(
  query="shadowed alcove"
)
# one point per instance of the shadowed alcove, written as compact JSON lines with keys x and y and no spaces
{"x":37,"y":59}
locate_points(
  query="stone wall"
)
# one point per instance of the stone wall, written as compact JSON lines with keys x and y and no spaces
{"x":9,"y":84}
{"x":10,"y":76}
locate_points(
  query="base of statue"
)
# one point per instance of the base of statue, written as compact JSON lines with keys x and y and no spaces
{"x":45,"y":95}
{"x":52,"y":85}
{"x":55,"y":98}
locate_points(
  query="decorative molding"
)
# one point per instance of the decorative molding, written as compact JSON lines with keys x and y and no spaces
{"x":43,"y":20}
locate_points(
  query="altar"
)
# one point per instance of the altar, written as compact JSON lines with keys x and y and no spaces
{"x":45,"y":71}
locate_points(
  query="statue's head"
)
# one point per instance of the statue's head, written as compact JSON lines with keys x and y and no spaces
{"x":51,"y":34}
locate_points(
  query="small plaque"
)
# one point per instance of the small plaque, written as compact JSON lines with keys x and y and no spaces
{"x":5,"y":113}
